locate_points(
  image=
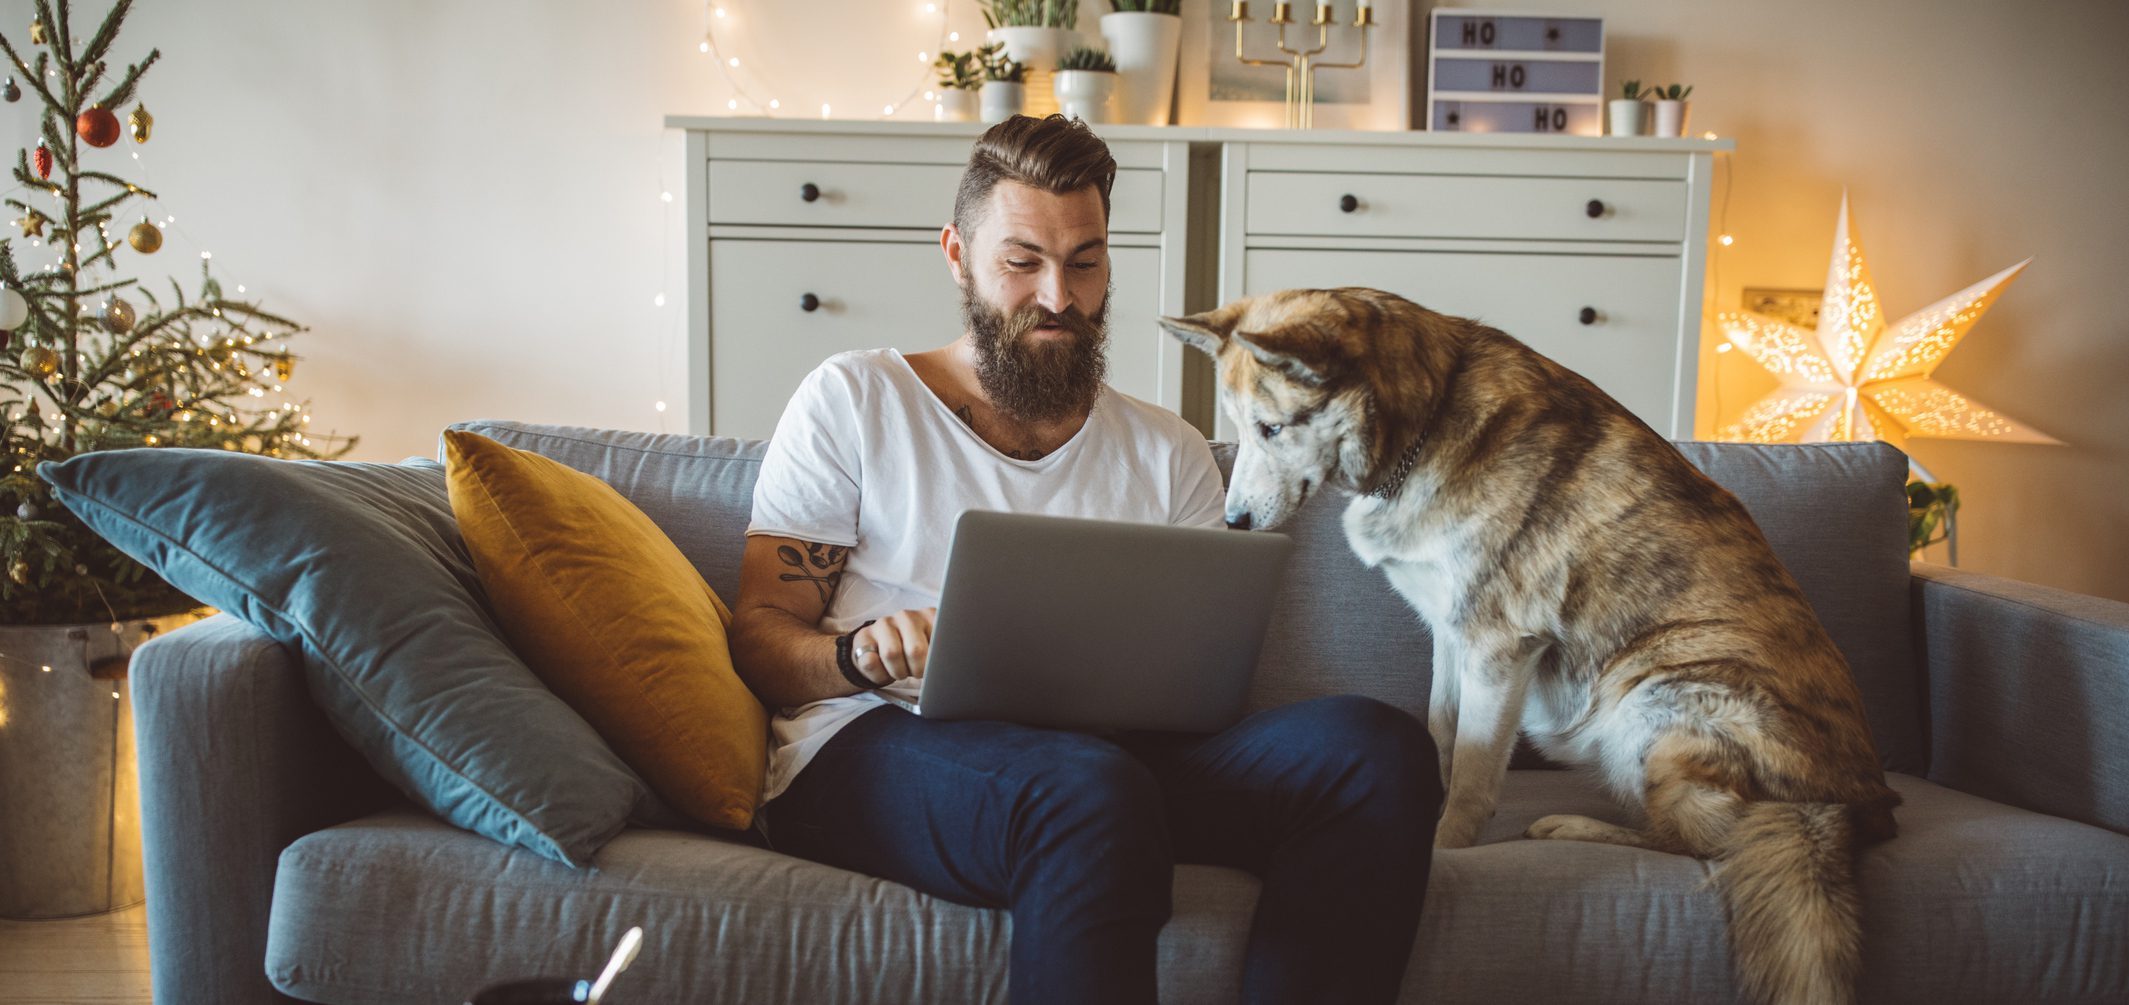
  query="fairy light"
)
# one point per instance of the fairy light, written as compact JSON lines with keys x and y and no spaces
{"x":712,"y":46}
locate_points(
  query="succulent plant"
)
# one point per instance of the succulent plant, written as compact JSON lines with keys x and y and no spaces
{"x":1633,"y":92}
{"x":960,"y":71}
{"x":1031,"y":13}
{"x":1085,"y":58}
{"x":1000,"y":67}
{"x":1147,"y":6}
{"x":1673,"y":92}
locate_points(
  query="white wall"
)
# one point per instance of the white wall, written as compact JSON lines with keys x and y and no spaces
{"x":462,"y":196}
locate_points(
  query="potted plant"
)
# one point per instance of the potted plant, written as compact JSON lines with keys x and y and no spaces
{"x":960,"y":77}
{"x":1628,"y":112}
{"x":1085,"y":79}
{"x":1671,"y":109}
{"x":1004,"y":83}
{"x":1144,"y":37}
{"x":1035,"y":33}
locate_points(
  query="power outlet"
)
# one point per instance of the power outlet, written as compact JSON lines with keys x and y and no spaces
{"x":1798,"y":307}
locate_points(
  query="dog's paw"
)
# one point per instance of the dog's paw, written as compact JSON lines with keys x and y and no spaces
{"x":1550,"y":826}
{"x":1447,"y":836}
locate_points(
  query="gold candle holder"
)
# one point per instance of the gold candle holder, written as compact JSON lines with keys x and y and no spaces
{"x":1301,"y":64}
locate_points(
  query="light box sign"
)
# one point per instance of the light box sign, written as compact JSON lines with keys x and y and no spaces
{"x":1502,"y":72}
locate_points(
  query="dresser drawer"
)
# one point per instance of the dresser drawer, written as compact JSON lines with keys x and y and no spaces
{"x":868,"y":296}
{"x":1465,"y":206}
{"x":773,"y":193}
{"x":1630,"y":348}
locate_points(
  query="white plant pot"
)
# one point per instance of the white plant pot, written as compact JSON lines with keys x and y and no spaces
{"x":1084,"y":94}
{"x":1627,"y":117}
{"x":1002,"y":101}
{"x":1039,"y":49}
{"x":1670,"y":118}
{"x":956,"y":105}
{"x":1145,"y":47}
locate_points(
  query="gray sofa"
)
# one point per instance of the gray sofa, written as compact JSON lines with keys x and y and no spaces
{"x":279,"y":865}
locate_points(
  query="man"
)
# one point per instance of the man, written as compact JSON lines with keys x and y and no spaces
{"x":1331,"y":802}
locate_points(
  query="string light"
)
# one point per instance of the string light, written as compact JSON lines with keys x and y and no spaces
{"x":711,"y":46}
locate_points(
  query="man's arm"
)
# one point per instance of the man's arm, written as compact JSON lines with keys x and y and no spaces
{"x":777,"y":645}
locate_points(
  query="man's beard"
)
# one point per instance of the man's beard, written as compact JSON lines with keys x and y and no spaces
{"x":1030,"y":381}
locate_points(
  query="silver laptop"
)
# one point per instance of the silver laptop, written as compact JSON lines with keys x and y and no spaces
{"x":1095,"y":624}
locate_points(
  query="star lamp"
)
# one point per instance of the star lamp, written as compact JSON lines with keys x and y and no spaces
{"x":1859,"y":378}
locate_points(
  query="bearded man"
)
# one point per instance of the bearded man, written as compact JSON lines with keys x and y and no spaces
{"x":1331,"y":802}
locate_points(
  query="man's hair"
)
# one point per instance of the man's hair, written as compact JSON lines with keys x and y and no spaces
{"x":1054,"y":154}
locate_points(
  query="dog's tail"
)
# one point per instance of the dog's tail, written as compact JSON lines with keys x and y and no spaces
{"x":1796,"y":921}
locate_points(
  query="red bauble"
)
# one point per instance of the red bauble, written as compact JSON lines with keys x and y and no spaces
{"x":43,"y":158}
{"x":98,"y":126}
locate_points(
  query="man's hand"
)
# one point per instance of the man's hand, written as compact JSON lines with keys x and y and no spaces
{"x":894,"y":647}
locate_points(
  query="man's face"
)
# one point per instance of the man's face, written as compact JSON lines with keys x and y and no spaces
{"x":1034,"y":294}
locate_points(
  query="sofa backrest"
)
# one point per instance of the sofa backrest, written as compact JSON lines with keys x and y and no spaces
{"x":1835,"y":513}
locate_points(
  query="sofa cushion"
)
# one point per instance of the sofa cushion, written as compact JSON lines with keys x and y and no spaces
{"x":615,"y":620}
{"x":1836,"y":514}
{"x":359,"y":567}
{"x":697,"y":489}
{"x":1974,"y":902}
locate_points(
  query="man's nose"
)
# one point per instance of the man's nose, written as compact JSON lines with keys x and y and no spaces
{"x":1050,"y":292}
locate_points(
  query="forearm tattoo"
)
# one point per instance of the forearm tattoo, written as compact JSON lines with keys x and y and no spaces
{"x":821,"y":565}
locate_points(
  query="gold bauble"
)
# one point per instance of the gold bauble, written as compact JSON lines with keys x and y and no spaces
{"x":145,"y":237}
{"x":37,"y":32}
{"x":284,"y":368}
{"x":116,"y":315}
{"x":40,"y":361}
{"x":141,"y":122}
{"x":19,"y":572}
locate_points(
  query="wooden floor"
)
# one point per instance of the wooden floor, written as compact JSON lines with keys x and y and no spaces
{"x":98,"y":960}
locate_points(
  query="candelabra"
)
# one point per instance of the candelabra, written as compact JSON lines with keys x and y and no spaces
{"x":1300,"y":64}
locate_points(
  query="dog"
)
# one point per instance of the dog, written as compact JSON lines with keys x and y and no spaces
{"x":1584,"y":583}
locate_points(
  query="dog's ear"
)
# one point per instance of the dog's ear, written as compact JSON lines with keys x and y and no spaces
{"x":1294,"y":367}
{"x":1205,"y":331}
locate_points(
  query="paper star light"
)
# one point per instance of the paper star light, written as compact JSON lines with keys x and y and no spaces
{"x":1857,"y":378}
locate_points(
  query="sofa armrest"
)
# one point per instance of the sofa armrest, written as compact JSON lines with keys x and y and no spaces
{"x":236,"y":762}
{"x":2028,"y":693}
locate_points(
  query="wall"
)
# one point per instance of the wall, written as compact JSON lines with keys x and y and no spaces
{"x":462,"y":198}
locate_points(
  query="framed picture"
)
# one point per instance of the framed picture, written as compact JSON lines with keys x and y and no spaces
{"x":1213,"y":88}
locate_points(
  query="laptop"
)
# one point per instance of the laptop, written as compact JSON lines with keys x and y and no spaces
{"x":1097,"y":624}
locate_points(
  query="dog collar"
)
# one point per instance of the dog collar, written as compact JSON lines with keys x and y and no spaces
{"x":1404,"y":470}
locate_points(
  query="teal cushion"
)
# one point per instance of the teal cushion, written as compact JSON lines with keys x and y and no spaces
{"x":359,"y":567}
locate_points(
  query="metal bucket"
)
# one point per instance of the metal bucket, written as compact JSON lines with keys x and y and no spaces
{"x":69,"y":790}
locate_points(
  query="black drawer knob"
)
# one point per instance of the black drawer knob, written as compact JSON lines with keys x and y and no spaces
{"x":1347,"y":204}
{"x":1595,"y":208}
{"x":809,"y":303}
{"x":811,"y":192}
{"x":1589,"y":315}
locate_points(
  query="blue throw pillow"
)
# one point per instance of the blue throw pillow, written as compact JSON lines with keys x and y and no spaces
{"x":359,"y":567}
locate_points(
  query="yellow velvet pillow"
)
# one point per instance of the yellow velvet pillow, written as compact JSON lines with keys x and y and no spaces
{"x":598,"y":601}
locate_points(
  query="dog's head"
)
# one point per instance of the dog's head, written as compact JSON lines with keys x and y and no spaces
{"x":1302,"y":374}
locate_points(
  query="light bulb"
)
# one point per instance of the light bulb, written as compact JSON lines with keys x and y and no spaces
{"x":889,"y":110}
{"x":720,"y":12}
{"x":732,"y":104}
{"x":660,"y":406}
{"x":952,"y":36}
{"x":1723,"y":347}
{"x":1727,"y":240}
{"x":733,"y":62}
{"x":824,"y":110}
{"x":775,"y":104}
{"x":658,"y":301}
{"x":662,"y":197}
{"x":704,"y":47}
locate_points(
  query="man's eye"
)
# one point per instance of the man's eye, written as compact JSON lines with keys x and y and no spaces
{"x":1018,"y":264}
{"x":1269,"y":429}
{"x":1083,"y":266}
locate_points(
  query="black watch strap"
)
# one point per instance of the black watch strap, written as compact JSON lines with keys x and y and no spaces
{"x":848,"y":665}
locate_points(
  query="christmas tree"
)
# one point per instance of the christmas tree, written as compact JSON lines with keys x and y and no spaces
{"x":83,"y":368}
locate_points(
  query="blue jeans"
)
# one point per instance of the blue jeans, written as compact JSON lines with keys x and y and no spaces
{"x":1330,"y":802}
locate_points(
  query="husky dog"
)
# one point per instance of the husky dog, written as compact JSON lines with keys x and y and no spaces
{"x":1583,"y":582}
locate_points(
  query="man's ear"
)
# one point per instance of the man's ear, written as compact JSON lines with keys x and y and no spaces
{"x":1294,"y":367}
{"x":1207,"y":330}
{"x":956,"y":253}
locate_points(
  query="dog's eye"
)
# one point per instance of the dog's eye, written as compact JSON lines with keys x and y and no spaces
{"x":1269,"y":430}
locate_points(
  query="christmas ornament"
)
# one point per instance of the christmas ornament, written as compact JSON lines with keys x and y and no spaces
{"x":13,"y":91}
{"x":32,"y":225}
{"x":145,"y":237}
{"x":116,"y":315}
{"x":37,"y":32}
{"x":14,"y":310}
{"x":40,"y":361}
{"x":19,"y":572}
{"x":141,"y":122}
{"x":98,"y":126}
{"x":284,"y":368}
{"x":26,"y":511}
{"x":44,"y":161}
{"x":1857,"y":378}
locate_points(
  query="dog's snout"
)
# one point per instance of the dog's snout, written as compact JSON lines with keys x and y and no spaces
{"x":1238,"y":521}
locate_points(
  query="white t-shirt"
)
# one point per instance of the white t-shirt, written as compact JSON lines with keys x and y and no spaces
{"x":867,"y":457}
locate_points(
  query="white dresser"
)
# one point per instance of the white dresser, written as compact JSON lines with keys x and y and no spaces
{"x":815,"y":238}
{"x":810,"y":238}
